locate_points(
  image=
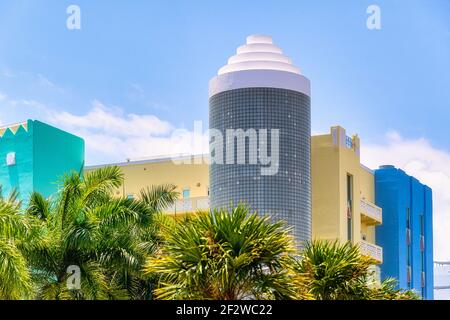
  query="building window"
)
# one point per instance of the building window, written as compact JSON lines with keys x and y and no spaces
{"x":408,"y":257}
{"x":349,"y":142}
{"x":409,"y":276}
{"x":422,"y":252}
{"x":408,"y":218}
{"x":11,"y":159}
{"x":422,"y":233}
{"x":423,"y":280}
{"x":186,"y":193}
{"x":349,"y":207}
{"x":408,"y":246}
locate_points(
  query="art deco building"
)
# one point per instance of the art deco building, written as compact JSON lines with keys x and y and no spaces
{"x":262,"y":102}
{"x":34,"y":156}
{"x":343,"y":194}
{"x":407,"y":233}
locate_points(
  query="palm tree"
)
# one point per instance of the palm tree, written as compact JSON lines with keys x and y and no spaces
{"x":86,"y":228}
{"x":146,"y":238}
{"x":333,"y":271}
{"x":15,"y":282}
{"x":223,"y":255}
{"x":387,"y":291}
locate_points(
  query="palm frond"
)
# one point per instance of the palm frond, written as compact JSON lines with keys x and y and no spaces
{"x":38,"y":206}
{"x":101,"y":182}
{"x":223,"y":255}
{"x":15,"y":280}
{"x":159,"y":197}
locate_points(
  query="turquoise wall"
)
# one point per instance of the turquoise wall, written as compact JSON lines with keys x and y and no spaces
{"x":55,"y":154}
{"x":44,"y":154}
{"x":19,"y":176}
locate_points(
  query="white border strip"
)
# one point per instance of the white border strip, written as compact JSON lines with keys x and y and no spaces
{"x":259,"y":79}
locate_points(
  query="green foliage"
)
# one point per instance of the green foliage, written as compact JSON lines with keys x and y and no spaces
{"x":387,"y":291}
{"x":159,"y":197}
{"x":108,"y":238}
{"x":129,"y":249}
{"x":15,"y":282}
{"x":223,"y":255}
{"x":333,"y":271}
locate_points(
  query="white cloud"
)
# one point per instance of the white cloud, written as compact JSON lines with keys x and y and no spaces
{"x":431,"y":166}
{"x":16,"y":110}
{"x":113,"y":122}
{"x":113,"y":135}
{"x":110,"y":134}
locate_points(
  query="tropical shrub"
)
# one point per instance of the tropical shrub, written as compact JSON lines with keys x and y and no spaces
{"x":224,"y":255}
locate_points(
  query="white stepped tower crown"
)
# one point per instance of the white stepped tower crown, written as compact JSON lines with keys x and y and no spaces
{"x":259,"y":63}
{"x":259,"y":54}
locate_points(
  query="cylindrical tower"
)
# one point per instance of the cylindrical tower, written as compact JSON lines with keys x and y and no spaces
{"x":260,"y":104}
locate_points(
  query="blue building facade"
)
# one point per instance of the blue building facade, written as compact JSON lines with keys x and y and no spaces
{"x":406,"y":234}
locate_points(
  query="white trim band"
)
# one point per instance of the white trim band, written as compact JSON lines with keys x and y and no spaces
{"x":259,"y":79}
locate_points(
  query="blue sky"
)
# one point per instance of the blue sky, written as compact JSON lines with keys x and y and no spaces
{"x":137,"y":71}
{"x":157,"y":57}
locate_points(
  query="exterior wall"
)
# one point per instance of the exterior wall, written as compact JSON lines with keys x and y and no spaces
{"x":142,"y":174}
{"x":367,"y":191}
{"x":334,"y":157}
{"x":325,"y":188}
{"x":285,"y":195}
{"x":396,"y":193}
{"x":55,"y":154}
{"x":43,"y":155}
{"x":17,"y":139}
{"x":429,"y":254}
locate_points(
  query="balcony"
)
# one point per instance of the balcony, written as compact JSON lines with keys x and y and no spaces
{"x":371,"y":214}
{"x":371,"y":250}
{"x":189,"y":205}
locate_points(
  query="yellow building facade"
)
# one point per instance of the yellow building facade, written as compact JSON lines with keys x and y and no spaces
{"x":343,"y":190}
{"x":189,"y":174}
{"x":343,"y":193}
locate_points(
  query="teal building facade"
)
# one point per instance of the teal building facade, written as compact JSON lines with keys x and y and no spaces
{"x":34,"y":156}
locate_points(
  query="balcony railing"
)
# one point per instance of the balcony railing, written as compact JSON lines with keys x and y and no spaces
{"x":189,"y":205}
{"x":371,"y":214}
{"x":371,"y":250}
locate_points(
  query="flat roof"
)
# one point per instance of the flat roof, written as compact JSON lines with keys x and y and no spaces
{"x":367,"y":169}
{"x":155,"y":159}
